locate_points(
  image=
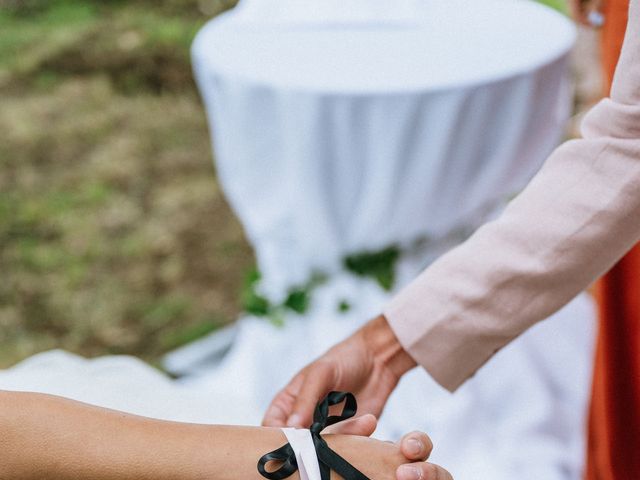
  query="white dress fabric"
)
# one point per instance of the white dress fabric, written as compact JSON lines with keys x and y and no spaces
{"x":350,"y":126}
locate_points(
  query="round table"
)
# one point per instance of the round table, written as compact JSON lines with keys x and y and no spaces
{"x":338,"y":135}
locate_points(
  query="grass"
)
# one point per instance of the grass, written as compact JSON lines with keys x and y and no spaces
{"x":114,"y":235}
{"x":560,"y":5}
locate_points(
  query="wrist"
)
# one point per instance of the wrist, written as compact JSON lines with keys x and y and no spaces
{"x":233,"y":452}
{"x":385,"y":347}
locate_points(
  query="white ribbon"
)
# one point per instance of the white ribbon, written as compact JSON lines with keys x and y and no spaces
{"x":302,"y":445}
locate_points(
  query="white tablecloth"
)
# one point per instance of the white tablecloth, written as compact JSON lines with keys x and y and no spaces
{"x":336,"y":138}
{"x":347,"y":126}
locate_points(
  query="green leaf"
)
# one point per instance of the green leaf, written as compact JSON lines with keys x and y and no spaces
{"x":344,"y":306}
{"x":252,"y":302}
{"x":298,"y":300}
{"x":378,"y":265}
{"x":276,"y":317}
{"x":256,"y":305}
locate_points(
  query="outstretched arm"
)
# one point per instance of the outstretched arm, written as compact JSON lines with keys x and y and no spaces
{"x":44,"y":436}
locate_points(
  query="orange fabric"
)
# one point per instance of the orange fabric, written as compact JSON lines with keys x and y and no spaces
{"x":614,"y":420}
{"x":615,"y":12}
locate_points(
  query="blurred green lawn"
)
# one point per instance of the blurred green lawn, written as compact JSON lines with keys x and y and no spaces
{"x":114,"y":236}
{"x":560,"y":5}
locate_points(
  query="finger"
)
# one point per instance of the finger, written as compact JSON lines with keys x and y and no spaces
{"x":416,"y":446}
{"x":318,"y":381}
{"x":276,"y":415}
{"x":281,"y":406}
{"x":363,"y":425}
{"x":422,"y":471}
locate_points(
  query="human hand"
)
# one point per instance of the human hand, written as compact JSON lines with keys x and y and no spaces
{"x":586,"y":12}
{"x":415,"y":447}
{"x":369,"y":364}
{"x":386,"y":460}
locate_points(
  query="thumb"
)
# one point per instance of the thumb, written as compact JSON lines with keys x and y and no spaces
{"x":363,"y":425}
{"x":281,"y":406}
{"x":319,"y":379}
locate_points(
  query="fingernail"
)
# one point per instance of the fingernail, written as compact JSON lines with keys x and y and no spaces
{"x":407,"y":472}
{"x":414,"y":446}
{"x":295,"y":420}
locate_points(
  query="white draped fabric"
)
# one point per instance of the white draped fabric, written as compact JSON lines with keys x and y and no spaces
{"x":343,"y":127}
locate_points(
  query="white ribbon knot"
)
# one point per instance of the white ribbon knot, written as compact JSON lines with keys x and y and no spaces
{"x":306,"y":456}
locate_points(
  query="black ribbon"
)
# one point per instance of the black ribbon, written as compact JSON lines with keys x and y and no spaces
{"x":327,"y":458}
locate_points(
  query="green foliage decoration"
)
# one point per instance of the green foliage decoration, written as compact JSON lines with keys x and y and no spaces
{"x":298,"y":299}
{"x":253,"y":302}
{"x":378,"y":265}
{"x":344,"y":306}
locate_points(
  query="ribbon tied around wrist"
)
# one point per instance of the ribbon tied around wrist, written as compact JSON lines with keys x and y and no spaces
{"x":308,"y":452}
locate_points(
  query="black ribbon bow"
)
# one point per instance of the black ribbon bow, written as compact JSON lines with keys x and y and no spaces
{"x":327,"y":458}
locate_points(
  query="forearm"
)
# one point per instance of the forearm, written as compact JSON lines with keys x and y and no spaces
{"x":45,"y":437}
{"x":383,"y":344}
{"x":577,"y":217}
{"x":552,"y":243}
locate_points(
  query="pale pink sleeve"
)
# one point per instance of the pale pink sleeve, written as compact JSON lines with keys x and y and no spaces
{"x":575,"y":219}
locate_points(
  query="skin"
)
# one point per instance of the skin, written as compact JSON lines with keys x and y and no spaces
{"x":49,"y":437}
{"x":580,"y":9}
